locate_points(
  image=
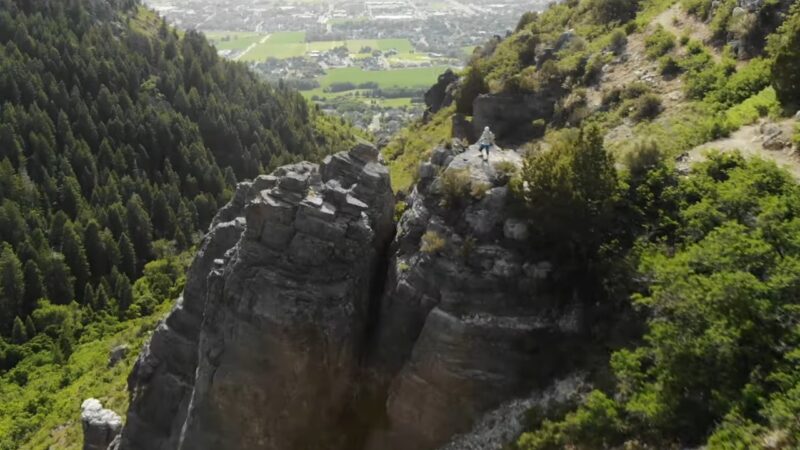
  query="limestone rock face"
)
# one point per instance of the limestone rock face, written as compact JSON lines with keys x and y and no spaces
{"x":286,"y":314}
{"x":471,"y":325}
{"x":305,"y":326}
{"x":511,"y":116}
{"x":162,"y":379}
{"x":100,"y":426}
{"x":440,"y":95}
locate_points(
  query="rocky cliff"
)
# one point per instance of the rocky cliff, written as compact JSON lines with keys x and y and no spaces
{"x":303,"y":325}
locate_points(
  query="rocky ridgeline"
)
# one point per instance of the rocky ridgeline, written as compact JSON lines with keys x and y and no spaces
{"x":304,"y":326}
{"x":468,"y":319}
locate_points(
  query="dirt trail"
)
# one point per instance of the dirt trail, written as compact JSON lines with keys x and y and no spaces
{"x":750,"y":140}
{"x":250,"y":47}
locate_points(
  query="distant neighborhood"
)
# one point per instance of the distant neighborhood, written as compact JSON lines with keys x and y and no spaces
{"x":368,"y":61}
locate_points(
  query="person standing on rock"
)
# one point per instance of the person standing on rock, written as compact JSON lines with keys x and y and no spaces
{"x":486,"y":142}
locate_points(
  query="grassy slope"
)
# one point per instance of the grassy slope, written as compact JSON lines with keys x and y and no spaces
{"x":678,"y":129}
{"x":61,"y":389}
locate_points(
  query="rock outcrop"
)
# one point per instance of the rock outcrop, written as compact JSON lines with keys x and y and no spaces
{"x":440,"y":95}
{"x":511,"y":116}
{"x":100,"y":426}
{"x":261,"y":352}
{"x":163,"y":377}
{"x":286,"y":316}
{"x":470,"y":324}
{"x":304,"y":326}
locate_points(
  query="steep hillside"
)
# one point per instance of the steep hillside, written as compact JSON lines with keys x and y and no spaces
{"x":119,"y":140}
{"x":694,"y":103}
{"x":679,"y":72}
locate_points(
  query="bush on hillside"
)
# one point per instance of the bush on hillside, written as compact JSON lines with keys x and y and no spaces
{"x":659,"y":43}
{"x":570,"y":190}
{"x":669,"y":66}
{"x":618,"y":41}
{"x":456,"y":186}
{"x":699,"y":8}
{"x":608,"y":11}
{"x":784,"y":47}
{"x":719,"y":362}
{"x":646,"y":107}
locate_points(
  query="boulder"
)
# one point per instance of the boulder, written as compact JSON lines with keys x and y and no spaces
{"x":511,"y":116}
{"x":462,"y":128}
{"x":440,"y":94}
{"x":100,"y":426}
{"x":117,"y":354}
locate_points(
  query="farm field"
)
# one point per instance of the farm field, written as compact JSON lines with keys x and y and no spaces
{"x":397,"y":78}
{"x":292,"y":44}
{"x":233,"y":40}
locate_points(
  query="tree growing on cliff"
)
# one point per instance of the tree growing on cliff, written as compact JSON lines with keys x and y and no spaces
{"x":784,"y":46}
{"x":570,"y":190}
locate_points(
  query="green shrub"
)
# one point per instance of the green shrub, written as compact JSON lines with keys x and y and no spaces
{"x":749,"y":111}
{"x":399,"y":209}
{"x":699,"y":8}
{"x":456,"y":186}
{"x":644,"y":157}
{"x":608,"y":11}
{"x":722,"y":18}
{"x":796,"y":137}
{"x":668,"y":65}
{"x":506,"y":169}
{"x":594,"y":68}
{"x":742,"y":84}
{"x":568,"y":188}
{"x":635,"y":90}
{"x":618,"y":41}
{"x":432,"y":243}
{"x":659,"y":43}
{"x":572,"y":109}
{"x":478,"y":190}
{"x":646,"y":107}
{"x":784,"y":47}
{"x":718,"y":365}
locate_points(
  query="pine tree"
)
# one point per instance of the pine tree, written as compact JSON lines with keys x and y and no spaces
{"x":95,"y":251}
{"x":18,"y":333}
{"x":163,"y":217}
{"x":140,"y":228}
{"x":123,"y":292}
{"x":75,"y":256}
{"x":30,"y":327}
{"x":60,"y":282}
{"x":34,"y":284}
{"x":101,"y":298}
{"x":127,"y":260}
{"x":57,"y":224}
{"x":784,"y":47}
{"x":89,"y":295}
{"x":12,"y":286}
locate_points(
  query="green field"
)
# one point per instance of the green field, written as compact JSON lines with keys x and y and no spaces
{"x":398,"y":78}
{"x":233,"y":40}
{"x":292,"y":44}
